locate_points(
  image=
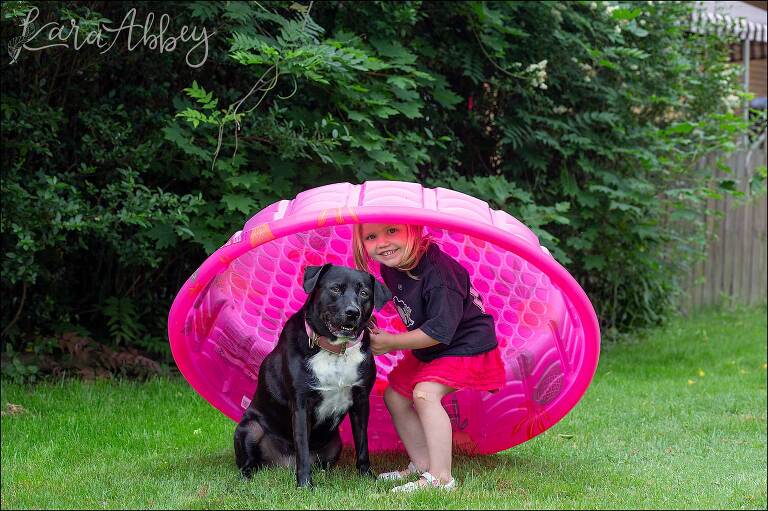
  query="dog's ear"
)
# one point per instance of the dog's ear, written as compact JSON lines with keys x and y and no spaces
{"x":312,"y":275}
{"x":381,"y":294}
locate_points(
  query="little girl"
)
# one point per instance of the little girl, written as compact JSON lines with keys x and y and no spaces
{"x":451,"y":344}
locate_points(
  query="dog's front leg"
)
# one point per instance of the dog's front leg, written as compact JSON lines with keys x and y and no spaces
{"x":358,"y":417}
{"x":301,"y":441}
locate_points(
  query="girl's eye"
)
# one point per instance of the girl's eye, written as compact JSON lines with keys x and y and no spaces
{"x":369,"y":237}
{"x":392,"y":230}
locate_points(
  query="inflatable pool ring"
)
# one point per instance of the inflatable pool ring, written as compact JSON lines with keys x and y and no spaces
{"x":228,"y":315}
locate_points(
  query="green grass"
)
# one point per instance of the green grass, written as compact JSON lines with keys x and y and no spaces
{"x":676,"y":420}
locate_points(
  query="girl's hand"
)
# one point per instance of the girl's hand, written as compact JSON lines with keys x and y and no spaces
{"x":382,"y":342}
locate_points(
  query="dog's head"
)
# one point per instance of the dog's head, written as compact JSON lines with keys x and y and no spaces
{"x":341,"y":300}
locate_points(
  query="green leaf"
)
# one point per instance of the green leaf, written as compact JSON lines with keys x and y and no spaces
{"x":636,"y":30}
{"x":587,"y":199}
{"x":758,"y":181}
{"x":382,"y":156}
{"x":568,"y":183}
{"x":367,"y":143}
{"x":682,"y":128}
{"x":242,"y":203}
{"x":181,"y":230}
{"x":579,"y":243}
{"x":623,"y":206}
{"x":251,"y":181}
{"x":394,"y":51}
{"x":164,"y":236}
{"x":623,"y":13}
{"x":359,"y":117}
{"x":410,"y":110}
{"x":198,"y":93}
{"x":175,"y":134}
{"x":446,"y":97}
{"x":204,"y":10}
{"x":594,"y":262}
{"x":608,"y":64}
{"x":401,"y":82}
{"x":384,"y":112}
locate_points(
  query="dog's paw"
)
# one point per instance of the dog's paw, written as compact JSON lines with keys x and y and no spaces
{"x":366,"y":471}
{"x":306,"y":484}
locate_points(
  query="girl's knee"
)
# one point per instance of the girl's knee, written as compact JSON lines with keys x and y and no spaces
{"x":424,"y":396}
{"x":430,"y":392}
{"x":394,"y":399}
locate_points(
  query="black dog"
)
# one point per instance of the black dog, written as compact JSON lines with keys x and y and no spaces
{"x":321,"y":368}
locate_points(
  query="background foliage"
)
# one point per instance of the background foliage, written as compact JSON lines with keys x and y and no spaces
{"x":122,"y":171}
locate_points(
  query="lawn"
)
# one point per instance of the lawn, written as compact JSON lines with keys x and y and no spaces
{"x":675,"y":418}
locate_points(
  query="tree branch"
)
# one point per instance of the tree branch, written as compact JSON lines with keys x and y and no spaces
{"x":18,"y":312}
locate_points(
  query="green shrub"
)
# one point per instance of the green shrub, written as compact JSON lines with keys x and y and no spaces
{"x":582,"y":119}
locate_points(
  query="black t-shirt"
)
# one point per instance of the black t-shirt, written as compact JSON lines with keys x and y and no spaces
{"x":443,"y":304}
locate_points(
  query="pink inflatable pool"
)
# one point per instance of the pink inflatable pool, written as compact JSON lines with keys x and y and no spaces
{"x":229,"y":314}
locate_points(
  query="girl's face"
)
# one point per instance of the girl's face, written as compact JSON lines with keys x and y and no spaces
{"x":385,"y":242}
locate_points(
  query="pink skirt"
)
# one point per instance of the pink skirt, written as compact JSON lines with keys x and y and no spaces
{"x":478,"y":372}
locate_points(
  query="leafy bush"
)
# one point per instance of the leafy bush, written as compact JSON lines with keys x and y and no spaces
{"x":583,"y":119}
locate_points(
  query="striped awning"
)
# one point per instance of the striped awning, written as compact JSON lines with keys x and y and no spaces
{"x":707,"y":22}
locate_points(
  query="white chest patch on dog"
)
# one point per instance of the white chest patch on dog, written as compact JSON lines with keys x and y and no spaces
{"x":335,"y":375}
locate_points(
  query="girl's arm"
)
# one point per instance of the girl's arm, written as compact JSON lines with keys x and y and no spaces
{"x":382,"y":342}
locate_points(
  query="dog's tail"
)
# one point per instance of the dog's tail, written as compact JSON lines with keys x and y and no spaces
{"x":248,"y":434}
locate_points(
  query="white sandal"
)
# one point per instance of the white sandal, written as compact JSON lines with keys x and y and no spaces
{"x":432,"y":482}
{"x":399,"y":474}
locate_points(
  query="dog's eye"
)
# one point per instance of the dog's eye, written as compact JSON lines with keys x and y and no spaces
{"x":364,"y":293}
{"x":336,"y":289}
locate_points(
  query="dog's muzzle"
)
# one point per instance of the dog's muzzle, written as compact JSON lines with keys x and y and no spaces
{"x":324,"y":343}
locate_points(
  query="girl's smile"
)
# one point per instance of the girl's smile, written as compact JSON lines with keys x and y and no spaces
{"x":384,"y":243}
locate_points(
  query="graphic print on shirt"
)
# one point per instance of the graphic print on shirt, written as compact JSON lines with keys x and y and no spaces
{"x":476,"y":299}
{"x":404,"y":311}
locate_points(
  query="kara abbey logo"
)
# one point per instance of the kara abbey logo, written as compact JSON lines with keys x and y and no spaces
{"x":55,"y":34}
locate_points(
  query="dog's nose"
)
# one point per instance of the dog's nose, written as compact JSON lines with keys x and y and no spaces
{"x":352,"y":313}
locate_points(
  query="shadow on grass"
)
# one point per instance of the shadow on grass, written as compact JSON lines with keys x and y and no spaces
{"x":494,"y":469}
{"x":507,"y":472}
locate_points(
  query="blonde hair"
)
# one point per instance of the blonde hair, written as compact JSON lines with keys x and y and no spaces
{"x":416,"y":244}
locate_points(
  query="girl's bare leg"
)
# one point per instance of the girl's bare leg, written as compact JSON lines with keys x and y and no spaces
{"x":408,"y":426}
{"x":435,"y":420}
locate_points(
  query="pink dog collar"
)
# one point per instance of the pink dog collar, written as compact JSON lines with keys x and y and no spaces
{"x":325,"y":343}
